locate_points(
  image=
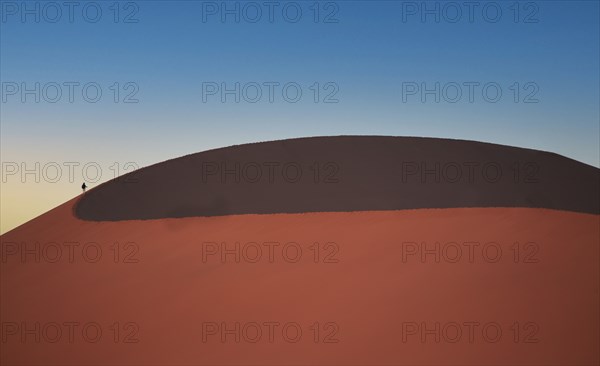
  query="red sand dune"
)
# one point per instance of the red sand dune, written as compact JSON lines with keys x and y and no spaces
{"x":382,"y":285}
{"x":367,"y":301}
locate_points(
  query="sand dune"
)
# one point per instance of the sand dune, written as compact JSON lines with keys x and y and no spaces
{"x":401,"y":273}
{"x":347,"y":173}
{"x":371,"y":293}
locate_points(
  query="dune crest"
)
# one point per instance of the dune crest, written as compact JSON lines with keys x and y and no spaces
{"x":346,"y":173}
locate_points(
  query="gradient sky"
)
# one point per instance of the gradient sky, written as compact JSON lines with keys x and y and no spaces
{"x":368,"y":50}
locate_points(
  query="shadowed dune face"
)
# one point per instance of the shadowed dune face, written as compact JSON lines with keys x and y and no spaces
{"x":351,"y":173}
{"x":318,"y":288}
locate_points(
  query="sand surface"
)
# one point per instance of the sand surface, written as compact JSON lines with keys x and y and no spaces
{"x":368,"y":297}
{"x":346,"y":173}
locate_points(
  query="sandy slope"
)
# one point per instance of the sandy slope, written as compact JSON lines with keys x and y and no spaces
{"x":346,"y":173}
{"x":365,"y":303}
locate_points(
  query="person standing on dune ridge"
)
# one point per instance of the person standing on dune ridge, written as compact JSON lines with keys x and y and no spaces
{"x":83,"y":186}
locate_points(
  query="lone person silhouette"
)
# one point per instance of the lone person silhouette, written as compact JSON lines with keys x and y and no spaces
{"x":83,"y":186}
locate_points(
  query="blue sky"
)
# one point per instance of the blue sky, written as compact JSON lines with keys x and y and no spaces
{"x":364,"y":52}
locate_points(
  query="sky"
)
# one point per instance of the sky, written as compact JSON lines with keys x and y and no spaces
{"x":91,"y":90}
